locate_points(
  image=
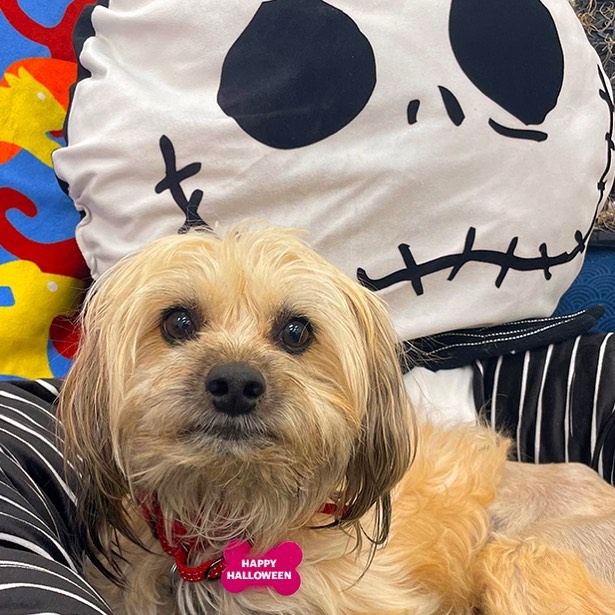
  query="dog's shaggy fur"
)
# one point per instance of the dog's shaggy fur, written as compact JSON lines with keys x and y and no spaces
{"x":429,"y":520}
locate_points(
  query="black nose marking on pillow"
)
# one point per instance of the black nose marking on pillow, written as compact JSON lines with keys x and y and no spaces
{"x":510,"y":50}
{"x":412,"y":111}
{"x":172,"y":182}
{"x":452,"y":106}
{"x":300,"y":72}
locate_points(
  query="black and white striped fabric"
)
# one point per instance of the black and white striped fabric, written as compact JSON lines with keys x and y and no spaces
{"x":40,"y":554}
{"x":556,"y":402}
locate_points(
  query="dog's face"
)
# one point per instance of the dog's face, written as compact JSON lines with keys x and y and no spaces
{"x":244,"y":381}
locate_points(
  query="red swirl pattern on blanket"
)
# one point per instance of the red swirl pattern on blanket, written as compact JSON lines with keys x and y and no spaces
{"x":61,"y":257}
{"x":58,"y":39}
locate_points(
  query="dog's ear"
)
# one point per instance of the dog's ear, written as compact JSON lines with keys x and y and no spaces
{"x":382,"y":454}
{"x":84,"y":416}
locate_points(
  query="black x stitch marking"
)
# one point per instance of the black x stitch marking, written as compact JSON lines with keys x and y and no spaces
{"x":610,"y":146}
{"x":172,"y":182}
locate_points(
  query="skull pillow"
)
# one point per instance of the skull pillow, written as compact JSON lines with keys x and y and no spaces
{"x":451,"y":155}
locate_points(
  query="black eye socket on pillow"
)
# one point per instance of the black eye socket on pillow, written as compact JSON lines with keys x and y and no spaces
{"x":272,"y":81}
{"x":494,"y":42}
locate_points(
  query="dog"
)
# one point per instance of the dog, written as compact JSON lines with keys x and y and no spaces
{"x":242,"y":390}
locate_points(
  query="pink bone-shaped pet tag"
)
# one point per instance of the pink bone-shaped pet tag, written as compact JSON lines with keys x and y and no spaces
{"x":276,"y":568}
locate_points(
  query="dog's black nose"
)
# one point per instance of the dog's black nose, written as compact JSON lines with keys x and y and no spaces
{"x":235,"y":387}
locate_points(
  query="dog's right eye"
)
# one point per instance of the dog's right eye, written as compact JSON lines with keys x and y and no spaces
{"x":178,"y":324}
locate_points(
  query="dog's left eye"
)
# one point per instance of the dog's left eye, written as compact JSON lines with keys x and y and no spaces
{"x":296,"y":335}
{"x":178,"y":324}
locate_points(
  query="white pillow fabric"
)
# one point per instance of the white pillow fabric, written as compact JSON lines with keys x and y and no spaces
{"x":451,"y":154}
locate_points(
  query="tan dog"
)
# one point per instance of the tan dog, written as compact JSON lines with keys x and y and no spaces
{"x":233,"y":387}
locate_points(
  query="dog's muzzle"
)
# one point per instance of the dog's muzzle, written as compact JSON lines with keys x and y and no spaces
{"x":235,"y":388}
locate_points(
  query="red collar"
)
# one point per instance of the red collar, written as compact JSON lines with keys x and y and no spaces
{"x":179,"y":547}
